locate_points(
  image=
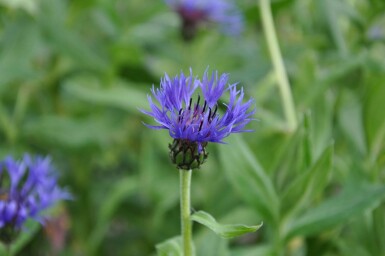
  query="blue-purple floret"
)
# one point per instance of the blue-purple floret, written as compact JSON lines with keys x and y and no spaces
{"x":198,"y":120}
{"x":222,"y":12}
{"x":27,"y":188}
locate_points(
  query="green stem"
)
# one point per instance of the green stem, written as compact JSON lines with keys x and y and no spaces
{"x":276,"y":56}
{"x":185,"y":182}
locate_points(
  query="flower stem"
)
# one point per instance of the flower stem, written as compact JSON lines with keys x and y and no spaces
{"x":276,"y":56}
{"x":185,"y":182}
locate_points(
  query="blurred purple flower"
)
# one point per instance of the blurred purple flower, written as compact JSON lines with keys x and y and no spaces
{"x":27,"y":187}
{"x":195,"y":12}
{"x":194,"y":123}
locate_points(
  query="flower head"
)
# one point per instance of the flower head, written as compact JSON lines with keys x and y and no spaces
{"x":195,"y":12}
{"x":27,"y":187}
{"x":194,"y":120}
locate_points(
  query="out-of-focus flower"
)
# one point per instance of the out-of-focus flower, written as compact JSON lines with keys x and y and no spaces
{"x":193,"y":13}
{"x":375,"y":33}
{"x":193,"y":120}
{"x":27,"y":187}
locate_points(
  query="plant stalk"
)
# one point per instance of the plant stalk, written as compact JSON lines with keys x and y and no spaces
{"x":276,"y":56}
{"x":186,"y":225}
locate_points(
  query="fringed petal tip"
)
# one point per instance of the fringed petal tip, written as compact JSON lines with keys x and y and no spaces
{"x":155,"y":127}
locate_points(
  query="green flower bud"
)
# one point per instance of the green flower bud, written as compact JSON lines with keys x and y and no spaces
{"x":186,"y":154}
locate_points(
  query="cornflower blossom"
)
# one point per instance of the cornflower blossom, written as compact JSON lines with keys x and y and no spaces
{"x":27,"y":188}
{"x":192,"y":118}
{"x":193,"y":13}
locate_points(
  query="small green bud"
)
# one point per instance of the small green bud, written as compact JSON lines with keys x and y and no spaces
{"x":185,"y":154}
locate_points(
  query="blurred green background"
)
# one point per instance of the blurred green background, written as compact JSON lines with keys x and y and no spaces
{"x":74,"y":73}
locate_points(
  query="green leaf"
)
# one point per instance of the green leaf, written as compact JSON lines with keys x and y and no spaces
{"x":294,"y":154}
{"x":210,"y":244}
{"x":335,"y":211}
{"x":346,"y":247}
{"x":249,"y":179}
{"x":373,"y":115}
{"x":309,"y":184}
{"x":326,"y":78}
{"x":66,"y":41}
{"x":119,"y":94}
{"x":351,"y":121}
{"x":69,"y":132}
{"x":225,"y":231}
{"x":30,"y":6}
{"x":170,"y":247}
{"x":22,"y":41}
{"x":120,"y":191}
{"x":332,"y":15}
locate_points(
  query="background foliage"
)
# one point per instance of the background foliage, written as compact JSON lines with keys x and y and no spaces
{"x":74,"y":73}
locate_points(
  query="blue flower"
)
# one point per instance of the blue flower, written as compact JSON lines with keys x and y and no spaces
{"x":27,"y":187}
{"x":194,"y":120}
{"x":195,"y":12}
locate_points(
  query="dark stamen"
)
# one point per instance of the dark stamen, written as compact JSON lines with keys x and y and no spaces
{"x":215,"y":111}
{"x":197,"y":105}
{"x":200,"y":126}
{"x":204,"y":107}
{"x":208,"y":118}
{"x":180,"y":113}
{"x":189,"y":105}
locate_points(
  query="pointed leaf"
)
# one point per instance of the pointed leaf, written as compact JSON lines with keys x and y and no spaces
{"x":309,"y":184}
{"x":341,"y":68}
{"x":225,"y":231}
{"x":373,"y":116}
{"x":330,"y":213}
{"x":249,"y":179}
{"x":294,"y":155}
